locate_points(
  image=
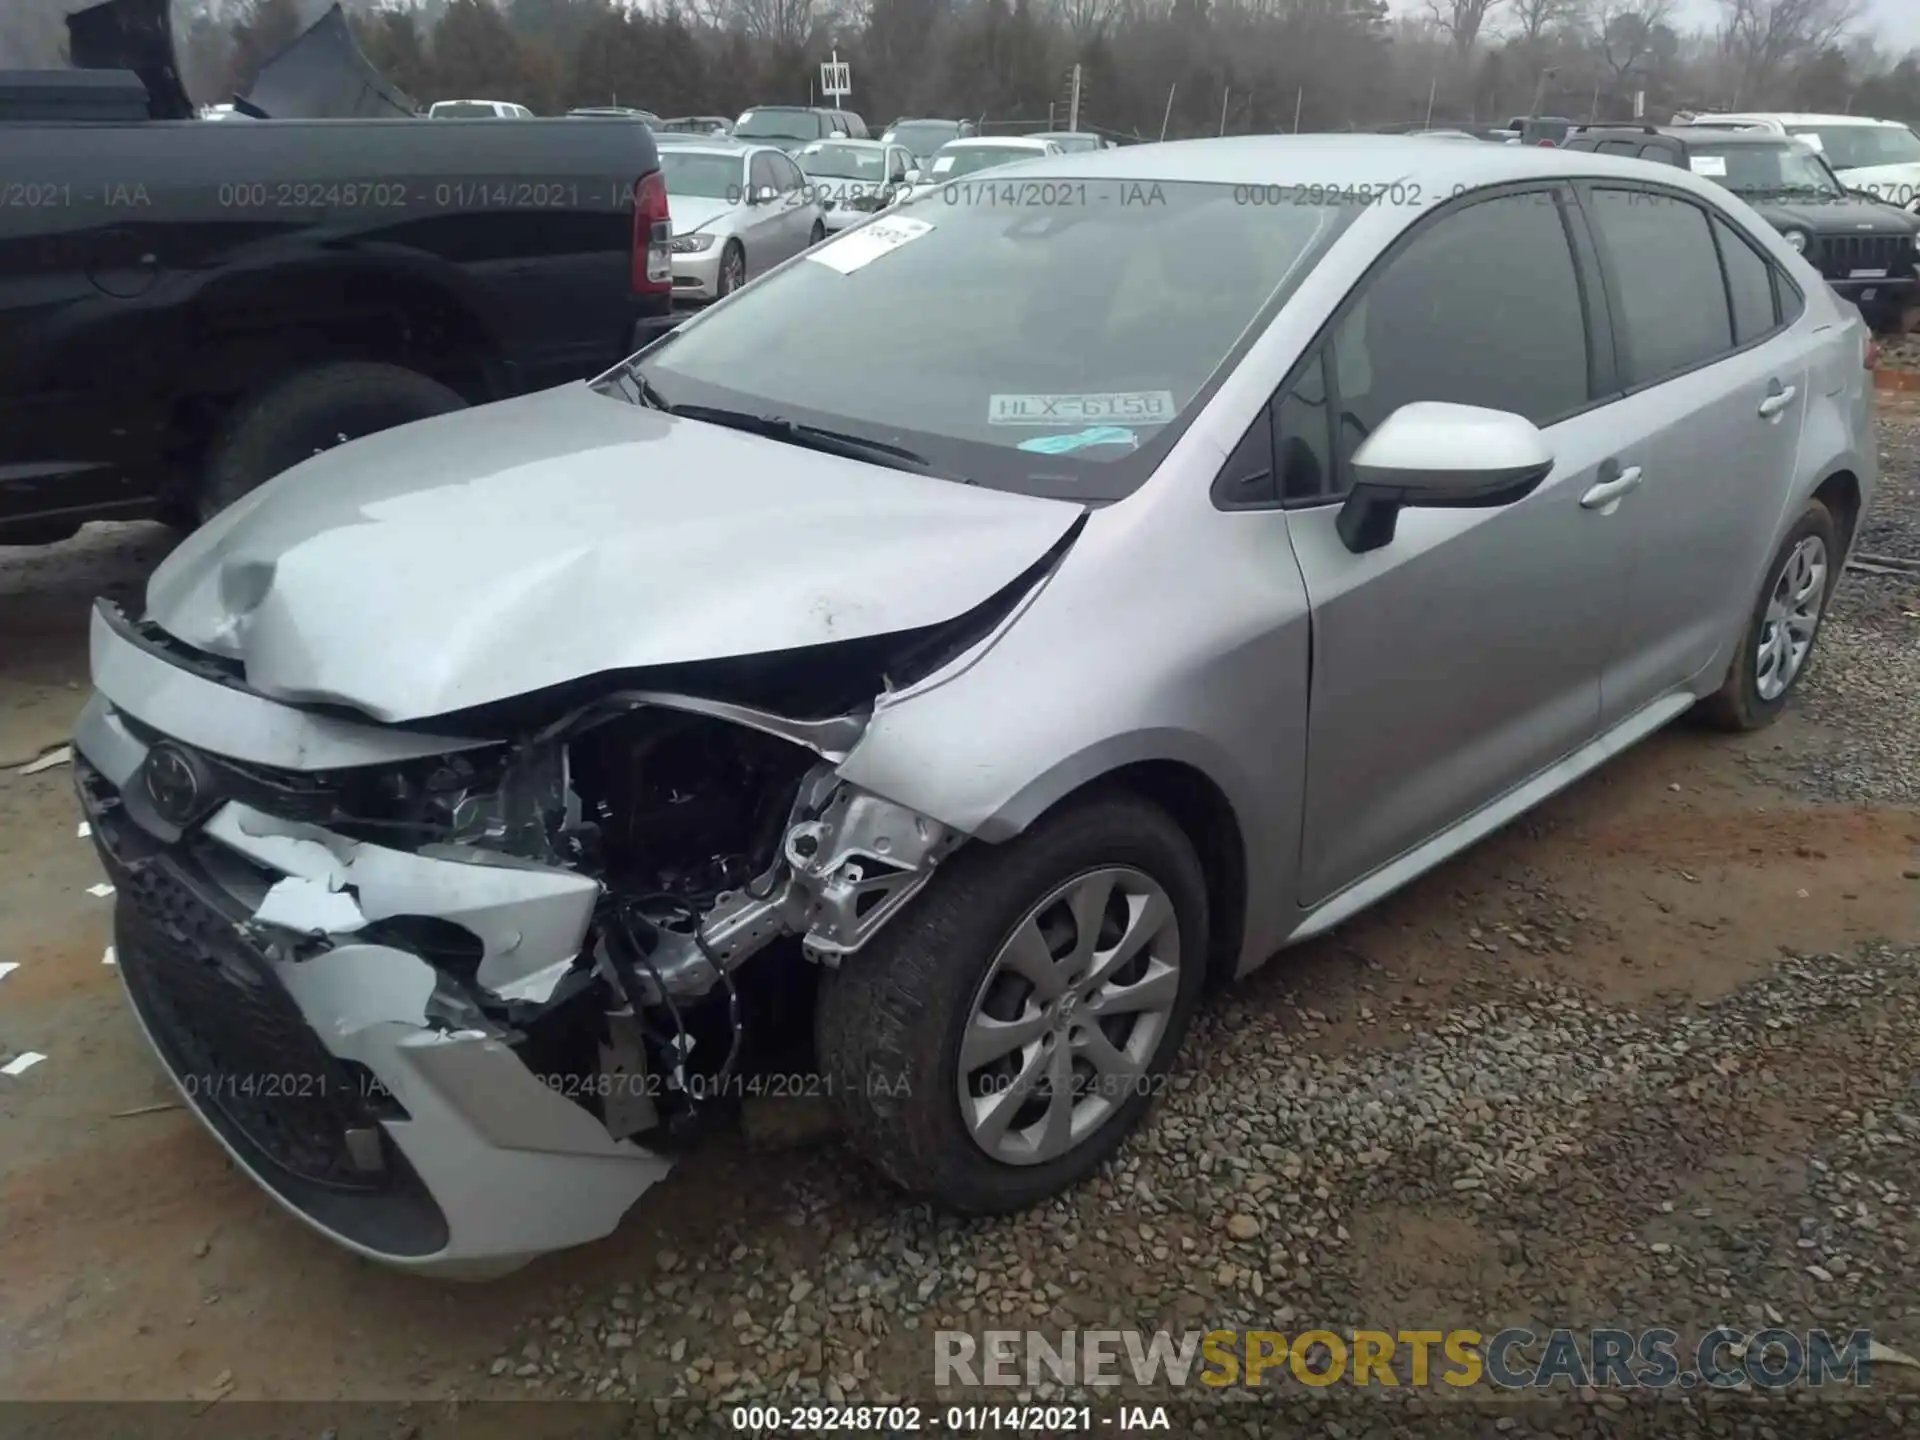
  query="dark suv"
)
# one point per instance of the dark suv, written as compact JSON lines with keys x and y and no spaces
{"x":791,"y":126}
{"x":1864,"y":247}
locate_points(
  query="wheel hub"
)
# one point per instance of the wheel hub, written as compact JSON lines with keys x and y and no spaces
{"x":1069,"y":1016}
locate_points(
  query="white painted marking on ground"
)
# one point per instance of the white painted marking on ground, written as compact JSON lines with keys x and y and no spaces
{"x":20,"y":1064}
{"x":100,"y":891}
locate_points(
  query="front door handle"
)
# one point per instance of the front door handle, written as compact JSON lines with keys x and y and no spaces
{"x":1604,"y":494}
{"x":1776,"y":401}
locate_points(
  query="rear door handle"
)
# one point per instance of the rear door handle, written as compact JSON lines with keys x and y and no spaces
{"x":1777,"y":401}
{"x":1622,"y":482}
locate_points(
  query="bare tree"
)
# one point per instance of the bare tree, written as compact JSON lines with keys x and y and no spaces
{"x":1084,"y":19}
{"x":1461,"y":19}
{"x":1764,"y":39}
{"x":1533,"y":19}
{"x":782,"y":23}
{"x":1625,"y":34}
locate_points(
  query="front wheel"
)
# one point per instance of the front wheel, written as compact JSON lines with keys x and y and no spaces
{"x":1777,"y":643}
{"x":1001,"y":1037}
{"x":733,"y":270}
{"x":818,"y":233}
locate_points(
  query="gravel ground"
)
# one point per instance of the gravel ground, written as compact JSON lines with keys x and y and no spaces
{"x":1647,"y":1058}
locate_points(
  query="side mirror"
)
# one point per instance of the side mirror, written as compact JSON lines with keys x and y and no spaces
{"x":913,"y":177}
{"x":763,"y":194}
{"x":1433,"y":455}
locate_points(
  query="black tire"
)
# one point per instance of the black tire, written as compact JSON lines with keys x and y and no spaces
{"x":889,"y":1021}
{"x":307,"y":412}
{"x":818,"y":233}
{"x":1738,"y":705}
{"x":733,"y":270}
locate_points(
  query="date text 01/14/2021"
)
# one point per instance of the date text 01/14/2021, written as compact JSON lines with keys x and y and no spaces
{"x":900,"y":1420}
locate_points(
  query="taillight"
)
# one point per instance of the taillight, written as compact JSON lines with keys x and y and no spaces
{"x":1872,"y":353}
{"x":1546,"y":145}
{"x":652,"y":236}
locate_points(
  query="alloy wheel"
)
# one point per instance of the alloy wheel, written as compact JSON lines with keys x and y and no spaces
{"x":1792,"y":616}
{"x":1066,"y":1022}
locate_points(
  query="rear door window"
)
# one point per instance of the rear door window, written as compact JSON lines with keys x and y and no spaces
{"x":1749,"y":284}
{"x":1669,"y":299}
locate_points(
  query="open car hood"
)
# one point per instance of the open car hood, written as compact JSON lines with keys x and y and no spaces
{"x":321,"y":74}
{"x":493,"y":552}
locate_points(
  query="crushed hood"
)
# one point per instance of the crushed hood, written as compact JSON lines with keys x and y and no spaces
{"x":493,"y":552}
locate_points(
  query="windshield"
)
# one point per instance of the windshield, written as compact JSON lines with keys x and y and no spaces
{"x":1854,"y":147}
{"x":702,"y":177}
{"x":779,"y":125}
{"x":954,"y":161}
{"x":922,"y":137}
{"x":1057,"y":348}
{"x":1076,"y":144}
{"x":1763,"y":169}
{"x":844,"y":162}
{"x":463,"y":110}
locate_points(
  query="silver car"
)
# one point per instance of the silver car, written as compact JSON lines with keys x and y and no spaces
{"x":737,"y":210}
{"x":1239,"y":529}
{"x":851,"y":179}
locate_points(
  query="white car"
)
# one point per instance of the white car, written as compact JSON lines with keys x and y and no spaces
{"x":851,"y":179}
{"x":1878,"y":156}
{"x":959,"y":158}
{"x":477,"y":110}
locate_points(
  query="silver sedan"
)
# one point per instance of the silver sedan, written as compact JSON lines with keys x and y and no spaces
{"x":737,"y":210}
{"x":1238,"y":529}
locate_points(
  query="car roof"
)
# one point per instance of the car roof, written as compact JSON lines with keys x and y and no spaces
{"x":1789,"y":117}
{"x":1063,"y":135}
{"x":988,"y":142}
{"x":859,"y":143}
{"x":1431,"y":173}
{"x":1688,"y":134}
{"x":703,"y":145}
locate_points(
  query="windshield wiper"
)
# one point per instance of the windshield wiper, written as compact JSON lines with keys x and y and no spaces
{"x":814,"y":437}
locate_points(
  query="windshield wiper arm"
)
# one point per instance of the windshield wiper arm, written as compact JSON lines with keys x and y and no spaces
{"x":813,"y":437}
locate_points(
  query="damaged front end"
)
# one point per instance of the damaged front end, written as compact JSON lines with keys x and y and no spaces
{"x":453,"y":997}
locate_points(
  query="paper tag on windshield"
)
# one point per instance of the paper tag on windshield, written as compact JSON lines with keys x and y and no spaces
{"x":1136,"y":407}
{"x":1714,"y":166}
{"x":861,"y":247}
{"x":942,"y":164}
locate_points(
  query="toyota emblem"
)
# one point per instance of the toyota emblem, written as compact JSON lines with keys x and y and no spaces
{"x":173,"y":784}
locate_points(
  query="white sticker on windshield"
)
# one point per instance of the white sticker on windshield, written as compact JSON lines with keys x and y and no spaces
{"x":1714,"y":166}
{"x":942,"y":164}
{"x":1137,"y":407}
{"x":849,"y":252}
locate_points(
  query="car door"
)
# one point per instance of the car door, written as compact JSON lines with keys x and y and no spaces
{"x":1464,"y":657}
{"x":1714,"y":389}
{"x":899,"y":161}
{"x":765,"y":220}
{"x":798,"y":208}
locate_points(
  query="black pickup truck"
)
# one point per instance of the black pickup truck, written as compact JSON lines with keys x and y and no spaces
{"x":188,"y":307}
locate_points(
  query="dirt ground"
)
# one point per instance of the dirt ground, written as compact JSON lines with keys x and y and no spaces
{"x":135,"y":1263}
